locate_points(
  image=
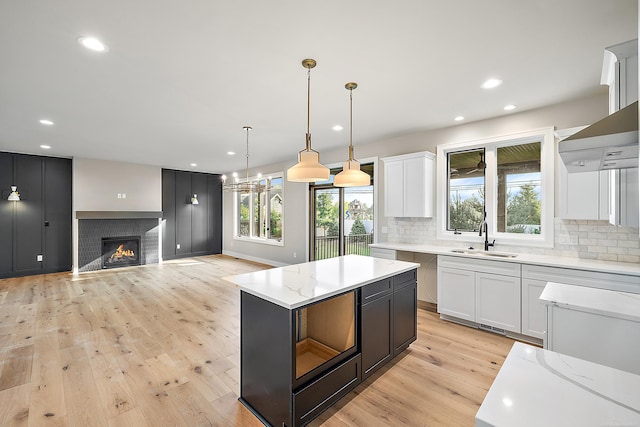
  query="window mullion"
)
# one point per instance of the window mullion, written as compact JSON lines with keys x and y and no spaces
{"x":490,"y":188}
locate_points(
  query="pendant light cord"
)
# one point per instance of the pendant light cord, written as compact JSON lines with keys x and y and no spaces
{"x":308,"y":142}
{"x":350,"y":124}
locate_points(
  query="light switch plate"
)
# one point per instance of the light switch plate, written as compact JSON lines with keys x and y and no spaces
{"x":38,"y":257}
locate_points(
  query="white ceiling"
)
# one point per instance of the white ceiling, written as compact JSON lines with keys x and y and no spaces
{"x":181,"y":78}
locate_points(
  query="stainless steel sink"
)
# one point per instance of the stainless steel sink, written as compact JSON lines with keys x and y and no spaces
{"x":484,"y":253}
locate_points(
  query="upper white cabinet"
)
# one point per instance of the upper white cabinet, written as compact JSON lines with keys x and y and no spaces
{"x":620,"y":72}
{"x":409,"y":184}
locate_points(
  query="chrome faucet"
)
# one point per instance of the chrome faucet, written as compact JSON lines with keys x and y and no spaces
{"x":486,"y":234}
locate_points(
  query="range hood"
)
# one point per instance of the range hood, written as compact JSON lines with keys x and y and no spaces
{"x":611,"y":143}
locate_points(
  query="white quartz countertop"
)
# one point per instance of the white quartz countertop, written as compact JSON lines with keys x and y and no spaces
{"x":629,"y":268}
{"x":537,"y":387}
{"x":297,"y":285}
{"x":622,"y":305}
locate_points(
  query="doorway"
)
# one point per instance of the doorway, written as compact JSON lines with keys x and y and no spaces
{"x":342,"y":220}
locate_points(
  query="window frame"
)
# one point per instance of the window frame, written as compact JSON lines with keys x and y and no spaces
{"x":491,"y":144}
{"x":253,"y":235}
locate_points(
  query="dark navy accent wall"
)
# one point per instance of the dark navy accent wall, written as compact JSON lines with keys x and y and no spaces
{"x":196,"y":228}
{"x":40,"y":223}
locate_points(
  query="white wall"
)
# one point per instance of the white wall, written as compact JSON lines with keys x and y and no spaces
{"x":566,"y":115}
{"x":97,"y":183}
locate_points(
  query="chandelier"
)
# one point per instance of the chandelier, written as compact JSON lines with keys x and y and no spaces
{"x":246,"y":186}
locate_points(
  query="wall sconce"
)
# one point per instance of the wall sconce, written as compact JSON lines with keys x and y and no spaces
{"x":14,"y":196}
{"x":194,"y":200}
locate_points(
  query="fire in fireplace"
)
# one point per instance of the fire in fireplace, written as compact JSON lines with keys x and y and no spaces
{"x":120,"y":251}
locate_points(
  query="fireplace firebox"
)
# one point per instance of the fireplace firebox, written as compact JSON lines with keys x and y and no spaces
{"x":120,"y":251}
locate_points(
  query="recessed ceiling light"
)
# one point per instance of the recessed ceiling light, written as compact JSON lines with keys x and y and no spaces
{"x":509,"y":107}
{"x":231,"y":153}
{"x":193,"y":165}
{"x":491,"y":83}
{"x":46,"y":122}
{"x":337,"y":128}
{"x":45,"y":147}
{"x":93,"y":44}
{"x":459,"y":118}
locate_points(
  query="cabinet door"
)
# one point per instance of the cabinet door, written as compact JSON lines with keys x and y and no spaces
{"x":377,"y":349}
{"x":498,"y":301}
{"x":405,"y":312}
{"x":534,"y":313}
{"x":583,"y":195}
{"x":393,"y":188}
{"x":414,"y":185}
{"x":456,"y":293}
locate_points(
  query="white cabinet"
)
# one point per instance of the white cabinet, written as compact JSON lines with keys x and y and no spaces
{"x":534,"y":321}
{"x":409,"y":185}
{"x":623,"y":197}
{"x":535,"y":278}
{"x":498,"y":301}
{"x":456,"y":293}
{"x":597,"y":325}
{"x":582,"y":195}
{"x":481,"y":291}
{"x":383,"y":253}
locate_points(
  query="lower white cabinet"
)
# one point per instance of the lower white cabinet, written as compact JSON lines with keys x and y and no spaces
{"x":498,"y":301}
{"x":457,"y":293}
{"x":480,"y":291}
{"x":534,"y":321}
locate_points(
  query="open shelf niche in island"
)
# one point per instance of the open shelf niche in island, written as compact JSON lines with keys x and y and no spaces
{"x":304,"y":335}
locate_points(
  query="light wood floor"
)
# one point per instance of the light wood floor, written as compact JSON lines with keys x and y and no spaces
{"x":158,"y":345}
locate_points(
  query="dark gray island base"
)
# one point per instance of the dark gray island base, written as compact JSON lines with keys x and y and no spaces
{"x":297,"y":362}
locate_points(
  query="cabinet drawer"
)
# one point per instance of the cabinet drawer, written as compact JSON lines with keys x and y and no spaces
{"x":504,"y":268}
{"x":314,"y":398}
{"x":375,"y":290}
{"x":404,"y":279}
{"x":593,"y":279}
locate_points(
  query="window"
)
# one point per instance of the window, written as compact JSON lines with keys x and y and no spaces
{"x":509,"y":178}
{"x":259,"y":214}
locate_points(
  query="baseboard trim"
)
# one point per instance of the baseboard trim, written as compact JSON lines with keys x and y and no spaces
{"x":428,"y":306}
{"x":254,"y":259}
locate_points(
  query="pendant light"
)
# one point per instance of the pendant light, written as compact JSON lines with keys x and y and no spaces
{"x":308,"y":168}
{"x":245,"y":186}
{"x":351,"y":175}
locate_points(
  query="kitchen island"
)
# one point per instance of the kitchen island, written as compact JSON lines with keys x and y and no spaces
{"x":537,"y":387}
{"x":312,"y":332}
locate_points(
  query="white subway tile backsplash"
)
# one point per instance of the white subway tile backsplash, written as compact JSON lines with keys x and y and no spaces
{"x":573,"y":238}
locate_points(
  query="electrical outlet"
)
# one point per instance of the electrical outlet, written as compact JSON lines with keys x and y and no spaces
{"x":178,"y":246}
{"x":295,"y":254}
{"x":119,"y":195}
{"x":38,"y":257}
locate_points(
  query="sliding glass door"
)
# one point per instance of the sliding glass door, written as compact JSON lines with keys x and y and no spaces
{"x":341,"y":218}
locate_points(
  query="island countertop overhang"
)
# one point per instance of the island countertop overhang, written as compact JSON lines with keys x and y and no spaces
{"x":297,"y":285}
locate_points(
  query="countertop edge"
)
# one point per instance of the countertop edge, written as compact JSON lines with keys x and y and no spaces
{"x":629,"y":269}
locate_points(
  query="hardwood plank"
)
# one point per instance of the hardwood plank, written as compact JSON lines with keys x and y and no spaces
{"x":47,"y":406}
{"x":14,"y":407}
{"x":16,"y":369}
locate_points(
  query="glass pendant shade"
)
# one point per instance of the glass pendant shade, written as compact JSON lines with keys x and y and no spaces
{"x":14,"y":196}
{"x":308,"y":168}
{"x":351,"y":175}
